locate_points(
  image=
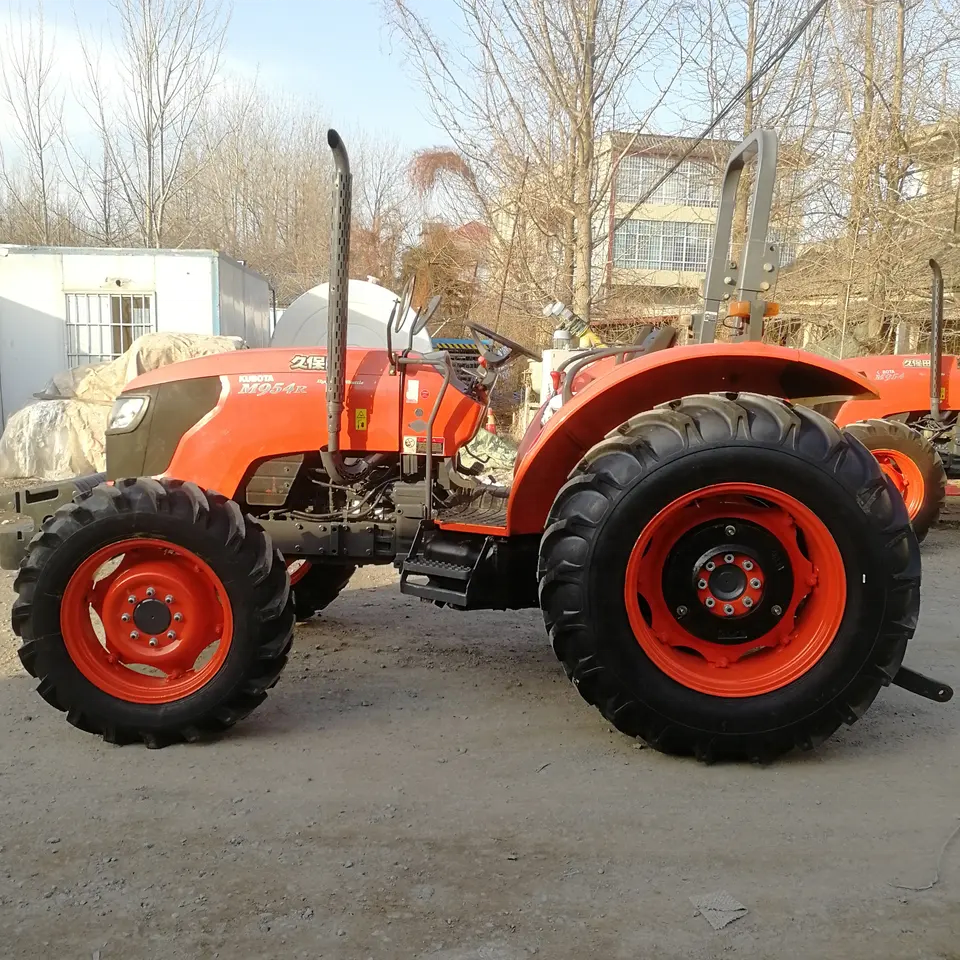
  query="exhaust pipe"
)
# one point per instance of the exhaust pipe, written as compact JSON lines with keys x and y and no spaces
{"x":936,"y":338}
{"x":332,"y":459}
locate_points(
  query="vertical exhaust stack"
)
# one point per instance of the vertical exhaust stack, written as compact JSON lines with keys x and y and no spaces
{"x":331,"y":458}
{"x":936,"y":338}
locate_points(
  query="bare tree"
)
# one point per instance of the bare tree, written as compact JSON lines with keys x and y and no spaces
{"x":30,"y":88}
{"x":523,"y":97}
{"x":386,"y":208}
{"x":166,"y":55}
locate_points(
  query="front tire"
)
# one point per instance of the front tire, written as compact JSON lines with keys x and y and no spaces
{"x":729,"y":576}
{"x":153,"y":611}
{"x":912,"y":463}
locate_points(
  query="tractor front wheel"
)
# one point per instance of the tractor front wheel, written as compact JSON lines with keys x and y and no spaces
{"x":912,"y":464}
{"x":729,"y":576}
{"x":153,"y":611}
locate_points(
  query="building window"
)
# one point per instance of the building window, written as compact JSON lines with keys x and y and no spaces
{"x":101,"y":326}
{"x":662,"y":245}
{"x":692,"y":184}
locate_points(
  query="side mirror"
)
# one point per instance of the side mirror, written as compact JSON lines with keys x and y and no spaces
{"x":406,"y":297}
{"x":424,"y":316}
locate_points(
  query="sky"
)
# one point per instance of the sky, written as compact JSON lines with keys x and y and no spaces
{"x":338,"y":53}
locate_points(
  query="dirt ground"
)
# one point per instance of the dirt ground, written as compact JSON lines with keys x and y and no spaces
{"x":426,"y":784}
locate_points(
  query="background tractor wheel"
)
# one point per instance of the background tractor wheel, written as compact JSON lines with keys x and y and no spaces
{"x":153,"y":611}
{"x":729,"y":576}
{"x":912,"y":463}
{"x":316,"y":586}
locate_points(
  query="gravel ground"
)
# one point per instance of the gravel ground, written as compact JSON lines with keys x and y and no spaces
{"x":426,"y":784}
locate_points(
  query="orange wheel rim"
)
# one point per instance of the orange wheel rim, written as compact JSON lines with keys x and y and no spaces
{"x":735,"y":590}
{"x":297,"y":569}
{"x":146,"y":621}
{"x":906,"y":476}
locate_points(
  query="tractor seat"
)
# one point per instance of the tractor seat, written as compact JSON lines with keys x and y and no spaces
{"x":659,"y":339}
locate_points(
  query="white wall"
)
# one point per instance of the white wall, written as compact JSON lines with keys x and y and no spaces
{"x":195,"y":291}
{"x":245,"y":304}
{"x":34,"y":282}
{"x":186,"y":301}
{"x":32,"y":341}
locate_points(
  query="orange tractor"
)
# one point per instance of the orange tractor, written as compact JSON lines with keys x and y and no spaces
{"x":913,"y":422}
{"x":722,"y":571}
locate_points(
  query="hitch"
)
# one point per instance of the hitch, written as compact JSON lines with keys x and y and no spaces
{"x":922,"y":686}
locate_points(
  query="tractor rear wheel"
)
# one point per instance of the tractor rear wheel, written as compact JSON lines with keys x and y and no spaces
{"x":315,"y":586}
{"x":912,"y":463}
{"x":729,"y":576}
{"x":153,"y":611}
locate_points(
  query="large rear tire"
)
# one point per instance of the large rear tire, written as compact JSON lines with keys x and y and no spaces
{"x":153,"y":611}
{"x":729,"y":576}
{"x":912,"y":463}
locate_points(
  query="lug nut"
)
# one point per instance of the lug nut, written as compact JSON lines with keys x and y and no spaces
{"x":681,"y":611}
{"x":150,"y":591}
{"x":178,"y":617}
{"x":171,"y":635}
{"x":728,"y":558}
{"x":747,"y":602}
{"x":125,"y":617}
{"x":131,"y":599}
{"x":134,"y":635}
{"x":748,"y":565}
{"x":776,"y":609}
{"x":728,"y":609}
{"x":701,"y":584}
{"x":710,"y":565}
{"x":154,"y":642}
{"x":730,"y":530}
{"x":710,"y":602}
{"x":755,"y":583}
{"x":168,"y":598}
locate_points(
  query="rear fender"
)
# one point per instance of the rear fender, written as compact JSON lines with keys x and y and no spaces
{"x":548,"y":456}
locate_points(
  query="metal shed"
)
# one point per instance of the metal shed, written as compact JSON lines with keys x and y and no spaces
{"x":67,"y":306}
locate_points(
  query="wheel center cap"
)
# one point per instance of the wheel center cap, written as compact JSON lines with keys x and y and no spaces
{"x":727,"y":582}
{"x":151,"y":616}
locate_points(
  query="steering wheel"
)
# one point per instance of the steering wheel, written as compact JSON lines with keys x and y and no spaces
{"x":511,"y":346}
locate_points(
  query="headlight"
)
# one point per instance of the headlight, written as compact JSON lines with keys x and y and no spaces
{"x":127,"y":412}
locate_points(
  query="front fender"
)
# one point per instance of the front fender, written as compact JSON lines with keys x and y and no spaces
{"x":630,"y":388}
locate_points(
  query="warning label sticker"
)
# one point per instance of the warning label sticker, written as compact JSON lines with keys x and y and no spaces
{"x":360,"y":418}
{"x":418,"y":445}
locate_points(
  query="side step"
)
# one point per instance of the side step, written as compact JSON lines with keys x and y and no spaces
{"x":446,"y":583}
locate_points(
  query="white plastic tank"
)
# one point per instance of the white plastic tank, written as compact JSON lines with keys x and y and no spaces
{"x":304,"y":322}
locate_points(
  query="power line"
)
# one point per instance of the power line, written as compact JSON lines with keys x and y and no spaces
{"x":778,"y":54}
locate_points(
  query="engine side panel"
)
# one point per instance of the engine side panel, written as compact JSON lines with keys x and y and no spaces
{"x":903,"y":385}
{"x":272,"y":403}
{"x":551,"y":452}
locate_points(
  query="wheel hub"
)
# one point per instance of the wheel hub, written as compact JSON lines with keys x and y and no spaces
{"x":735,"y":589}
{"x":730,"y":578}
{"x":729,"y":582}
{"x":160,"y":607}
{"x":152,"y":616}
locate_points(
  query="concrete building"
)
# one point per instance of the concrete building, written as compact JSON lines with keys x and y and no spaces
{"x":68,"y":306}
{"x":655,"y":254}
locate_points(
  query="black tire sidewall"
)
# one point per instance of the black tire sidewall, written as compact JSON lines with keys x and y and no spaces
{"x":900,"y":437}
{"x":230,"y":566}
{"x":319,"y":587}
{"x":860,"y":546}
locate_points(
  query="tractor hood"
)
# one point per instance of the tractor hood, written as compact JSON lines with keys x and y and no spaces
{"x":268,"y":360}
